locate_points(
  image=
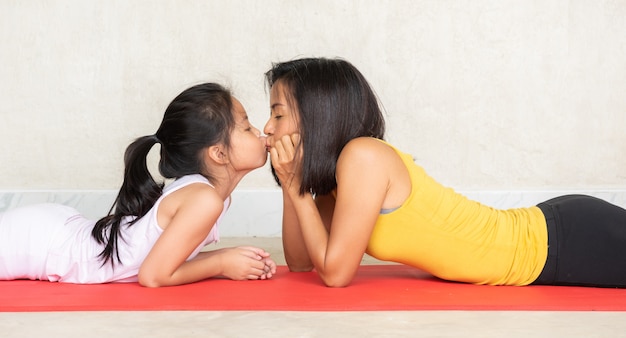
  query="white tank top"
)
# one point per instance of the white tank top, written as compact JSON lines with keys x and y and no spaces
{"x":73,"y":256}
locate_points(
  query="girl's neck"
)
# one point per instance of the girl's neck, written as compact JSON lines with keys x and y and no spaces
{"x":225,"y":184}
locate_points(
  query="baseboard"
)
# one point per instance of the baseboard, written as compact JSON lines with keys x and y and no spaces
{"x":257,"y":213}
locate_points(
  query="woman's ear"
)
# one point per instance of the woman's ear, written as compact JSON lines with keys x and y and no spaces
{"x":217,"y":153}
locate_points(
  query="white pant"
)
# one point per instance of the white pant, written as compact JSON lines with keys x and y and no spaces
{"x":26,"y":235}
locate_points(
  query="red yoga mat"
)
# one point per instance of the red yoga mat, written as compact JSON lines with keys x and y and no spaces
{"x":375,"y":288}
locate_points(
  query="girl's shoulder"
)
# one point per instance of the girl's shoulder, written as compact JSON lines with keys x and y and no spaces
{"x":193,"y":193}
{"x":185,"y":181}
{"x":196,"y":197}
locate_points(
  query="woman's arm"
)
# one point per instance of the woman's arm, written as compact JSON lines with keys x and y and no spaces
{"x":166,"y":263}
{"x":362,"y":183}
{"x":296,"y":254}
{"x":294,"y":248}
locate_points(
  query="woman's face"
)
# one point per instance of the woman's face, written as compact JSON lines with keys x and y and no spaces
{"x":283,"y":117}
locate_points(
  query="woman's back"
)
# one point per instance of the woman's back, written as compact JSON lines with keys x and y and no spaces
{"x":452,"y":237}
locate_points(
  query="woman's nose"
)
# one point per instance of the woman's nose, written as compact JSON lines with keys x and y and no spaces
{"x":267,"y":129}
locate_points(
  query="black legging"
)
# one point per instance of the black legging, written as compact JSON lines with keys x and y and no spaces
{"x":586,"y":242}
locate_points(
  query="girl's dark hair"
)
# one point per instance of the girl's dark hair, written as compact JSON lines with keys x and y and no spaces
{"x":335,"y":104}
{"x":199,"y":117}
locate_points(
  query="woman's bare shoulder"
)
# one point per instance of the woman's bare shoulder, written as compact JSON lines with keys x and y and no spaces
{"x":367,"y":149}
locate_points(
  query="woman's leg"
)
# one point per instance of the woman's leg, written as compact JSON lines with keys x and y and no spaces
{"x":587,"y":243}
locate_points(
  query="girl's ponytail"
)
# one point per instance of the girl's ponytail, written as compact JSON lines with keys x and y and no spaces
{"x":137,"y":195}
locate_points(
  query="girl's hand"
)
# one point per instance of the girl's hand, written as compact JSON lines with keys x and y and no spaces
{"x":270,"y":268}
{"x":286,"y":157}
{"x":246,"y":262}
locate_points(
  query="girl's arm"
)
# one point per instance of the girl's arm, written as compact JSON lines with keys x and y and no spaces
{"x":166,"y":263}
{"x":362,"y":184}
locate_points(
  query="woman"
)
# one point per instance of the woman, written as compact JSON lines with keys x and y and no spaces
{"x":153,"y":235}
{"x":347,"y":192}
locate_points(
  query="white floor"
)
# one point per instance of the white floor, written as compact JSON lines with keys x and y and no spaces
{"x":312,"y":324}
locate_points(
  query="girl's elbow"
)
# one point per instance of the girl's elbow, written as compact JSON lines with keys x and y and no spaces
{"x":150,"y":281}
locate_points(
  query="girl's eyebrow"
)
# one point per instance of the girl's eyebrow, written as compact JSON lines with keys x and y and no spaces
{"x":244,"y":118}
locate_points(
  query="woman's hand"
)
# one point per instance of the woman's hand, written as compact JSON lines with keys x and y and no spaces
{"x":286,"y":157}
{"x":246,"y":262}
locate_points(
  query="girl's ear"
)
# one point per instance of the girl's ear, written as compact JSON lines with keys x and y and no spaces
{"x":217,"y":153}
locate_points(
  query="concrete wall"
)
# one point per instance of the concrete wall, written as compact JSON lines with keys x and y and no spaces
{"x":491,"y":97}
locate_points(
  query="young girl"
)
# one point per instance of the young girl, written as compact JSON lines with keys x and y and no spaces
{"x":347,"y":192}
{"x":152,"y":234}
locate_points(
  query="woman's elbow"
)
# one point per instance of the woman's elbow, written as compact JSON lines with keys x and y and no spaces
{"x":294,"y":268}
{"x":298,"y":267}
{"x":335,"y":281}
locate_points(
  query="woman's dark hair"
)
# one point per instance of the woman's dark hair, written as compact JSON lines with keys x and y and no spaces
{"x":335,"y":104}
{"x":199,"y":117}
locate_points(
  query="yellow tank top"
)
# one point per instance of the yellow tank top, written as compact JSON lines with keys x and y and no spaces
{"x":442,"y":232}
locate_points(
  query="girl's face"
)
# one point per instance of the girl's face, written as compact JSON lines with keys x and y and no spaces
{"x":247,"y":150}
{"x":283,"y":117}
